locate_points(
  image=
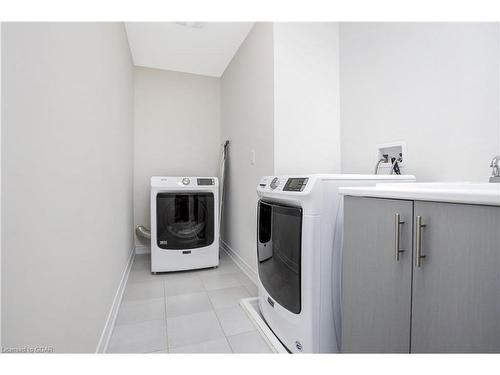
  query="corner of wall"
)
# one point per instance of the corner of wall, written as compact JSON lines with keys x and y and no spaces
{"x":1,"y":25}
{"x":306,"y":97}
{"x":341,"y":159}
{"x":498,"y":89}
{"x":275,"y":115}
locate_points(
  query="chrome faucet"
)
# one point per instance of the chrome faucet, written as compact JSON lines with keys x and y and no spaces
{"x":495,"y":173}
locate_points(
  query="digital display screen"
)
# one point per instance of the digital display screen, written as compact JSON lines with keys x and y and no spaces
{"x":205,"y":181}
{"x":295,"y":184}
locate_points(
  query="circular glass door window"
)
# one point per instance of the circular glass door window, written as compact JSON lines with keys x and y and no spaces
{"x":185,"y":221}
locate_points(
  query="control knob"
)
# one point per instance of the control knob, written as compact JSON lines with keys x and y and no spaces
{"x":274,"y":183}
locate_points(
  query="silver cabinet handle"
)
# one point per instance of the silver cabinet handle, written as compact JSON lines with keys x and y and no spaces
{"x":397,"y":236}
{"x":419,"y":228}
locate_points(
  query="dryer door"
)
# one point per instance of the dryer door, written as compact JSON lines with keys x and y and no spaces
{"x":279,"y":242}
{"x":184,"y":220}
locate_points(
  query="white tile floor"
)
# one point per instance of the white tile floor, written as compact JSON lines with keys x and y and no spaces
{"x":186,"y":312}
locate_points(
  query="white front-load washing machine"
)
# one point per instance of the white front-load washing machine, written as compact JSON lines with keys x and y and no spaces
{"x":298,"y":263}
{"x":184,"y":223}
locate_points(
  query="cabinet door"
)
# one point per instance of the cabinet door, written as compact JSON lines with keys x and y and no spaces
{"x":456,"y":290}
{"x":376,"y":286}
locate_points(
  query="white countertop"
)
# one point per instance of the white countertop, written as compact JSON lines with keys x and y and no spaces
{"x":455,"y":192}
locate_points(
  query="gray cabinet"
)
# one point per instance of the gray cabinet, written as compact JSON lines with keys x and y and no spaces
{"x":456,"y":290}
{"x":448,"y":300}
{"x":373,"y":274}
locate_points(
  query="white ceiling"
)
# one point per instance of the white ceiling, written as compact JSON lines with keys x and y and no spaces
{"x":192,"y":47}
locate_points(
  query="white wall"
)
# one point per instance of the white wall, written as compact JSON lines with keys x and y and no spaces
{"x":67,"y":226}
{"x":306,"y":98}
{"x":247,"y":121}
{"x":0,"y":185}
{"x":176,"y":131}
{"x":434,"y":86}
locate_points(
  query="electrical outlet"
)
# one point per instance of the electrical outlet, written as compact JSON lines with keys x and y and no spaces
{"x":252,"y":157}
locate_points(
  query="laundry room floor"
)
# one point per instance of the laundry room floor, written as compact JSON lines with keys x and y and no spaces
{"x":186,"y":312}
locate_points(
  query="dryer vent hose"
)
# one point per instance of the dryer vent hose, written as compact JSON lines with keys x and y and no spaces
{"x":143,"y":232}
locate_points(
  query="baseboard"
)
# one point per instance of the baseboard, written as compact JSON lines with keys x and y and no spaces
{"x":102,"y":345}
{"x":242,"y":264}
{"x":142,"y":249}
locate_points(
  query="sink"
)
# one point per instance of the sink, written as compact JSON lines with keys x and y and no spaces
{"x":451,"y":186}
{"x":485,"y":193}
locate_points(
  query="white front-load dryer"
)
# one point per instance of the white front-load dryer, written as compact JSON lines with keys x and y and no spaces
{"x":184,"y":223}
{"x":298,"y":264}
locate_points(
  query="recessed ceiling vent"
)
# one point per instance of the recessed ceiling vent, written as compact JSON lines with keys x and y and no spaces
{"x":192,"y":25}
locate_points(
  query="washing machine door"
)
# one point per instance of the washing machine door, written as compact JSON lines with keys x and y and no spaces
{"x":184,"y":220}
{"x":279,"y":242}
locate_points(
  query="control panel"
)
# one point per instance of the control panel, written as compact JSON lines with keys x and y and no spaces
{"x":196,"y":181}
{"x":283,"y":183}
{"x":184,"y":182}
{"x":295,"y":184}
{"x":205,"y":181}
{"x":274,"y":183}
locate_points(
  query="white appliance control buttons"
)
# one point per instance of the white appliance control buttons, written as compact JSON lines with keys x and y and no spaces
{"x":185,"y":181}
{"x":274,"y":183}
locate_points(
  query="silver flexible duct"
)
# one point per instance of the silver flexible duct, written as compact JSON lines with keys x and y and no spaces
{"x":142,"y":231}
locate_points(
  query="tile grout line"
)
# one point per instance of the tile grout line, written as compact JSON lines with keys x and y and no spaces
{"x":209,"y":300}
{"x":201,"y":312}
{"x":165,"y":313}
{"x":201,"y":277}
{"x":220,"y":325}
{"x":242,"y":273}
{"x":139,"y":322}
{"x":225,"y":287}
{"x":249,"y":293}
{"x":137,"y":301}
